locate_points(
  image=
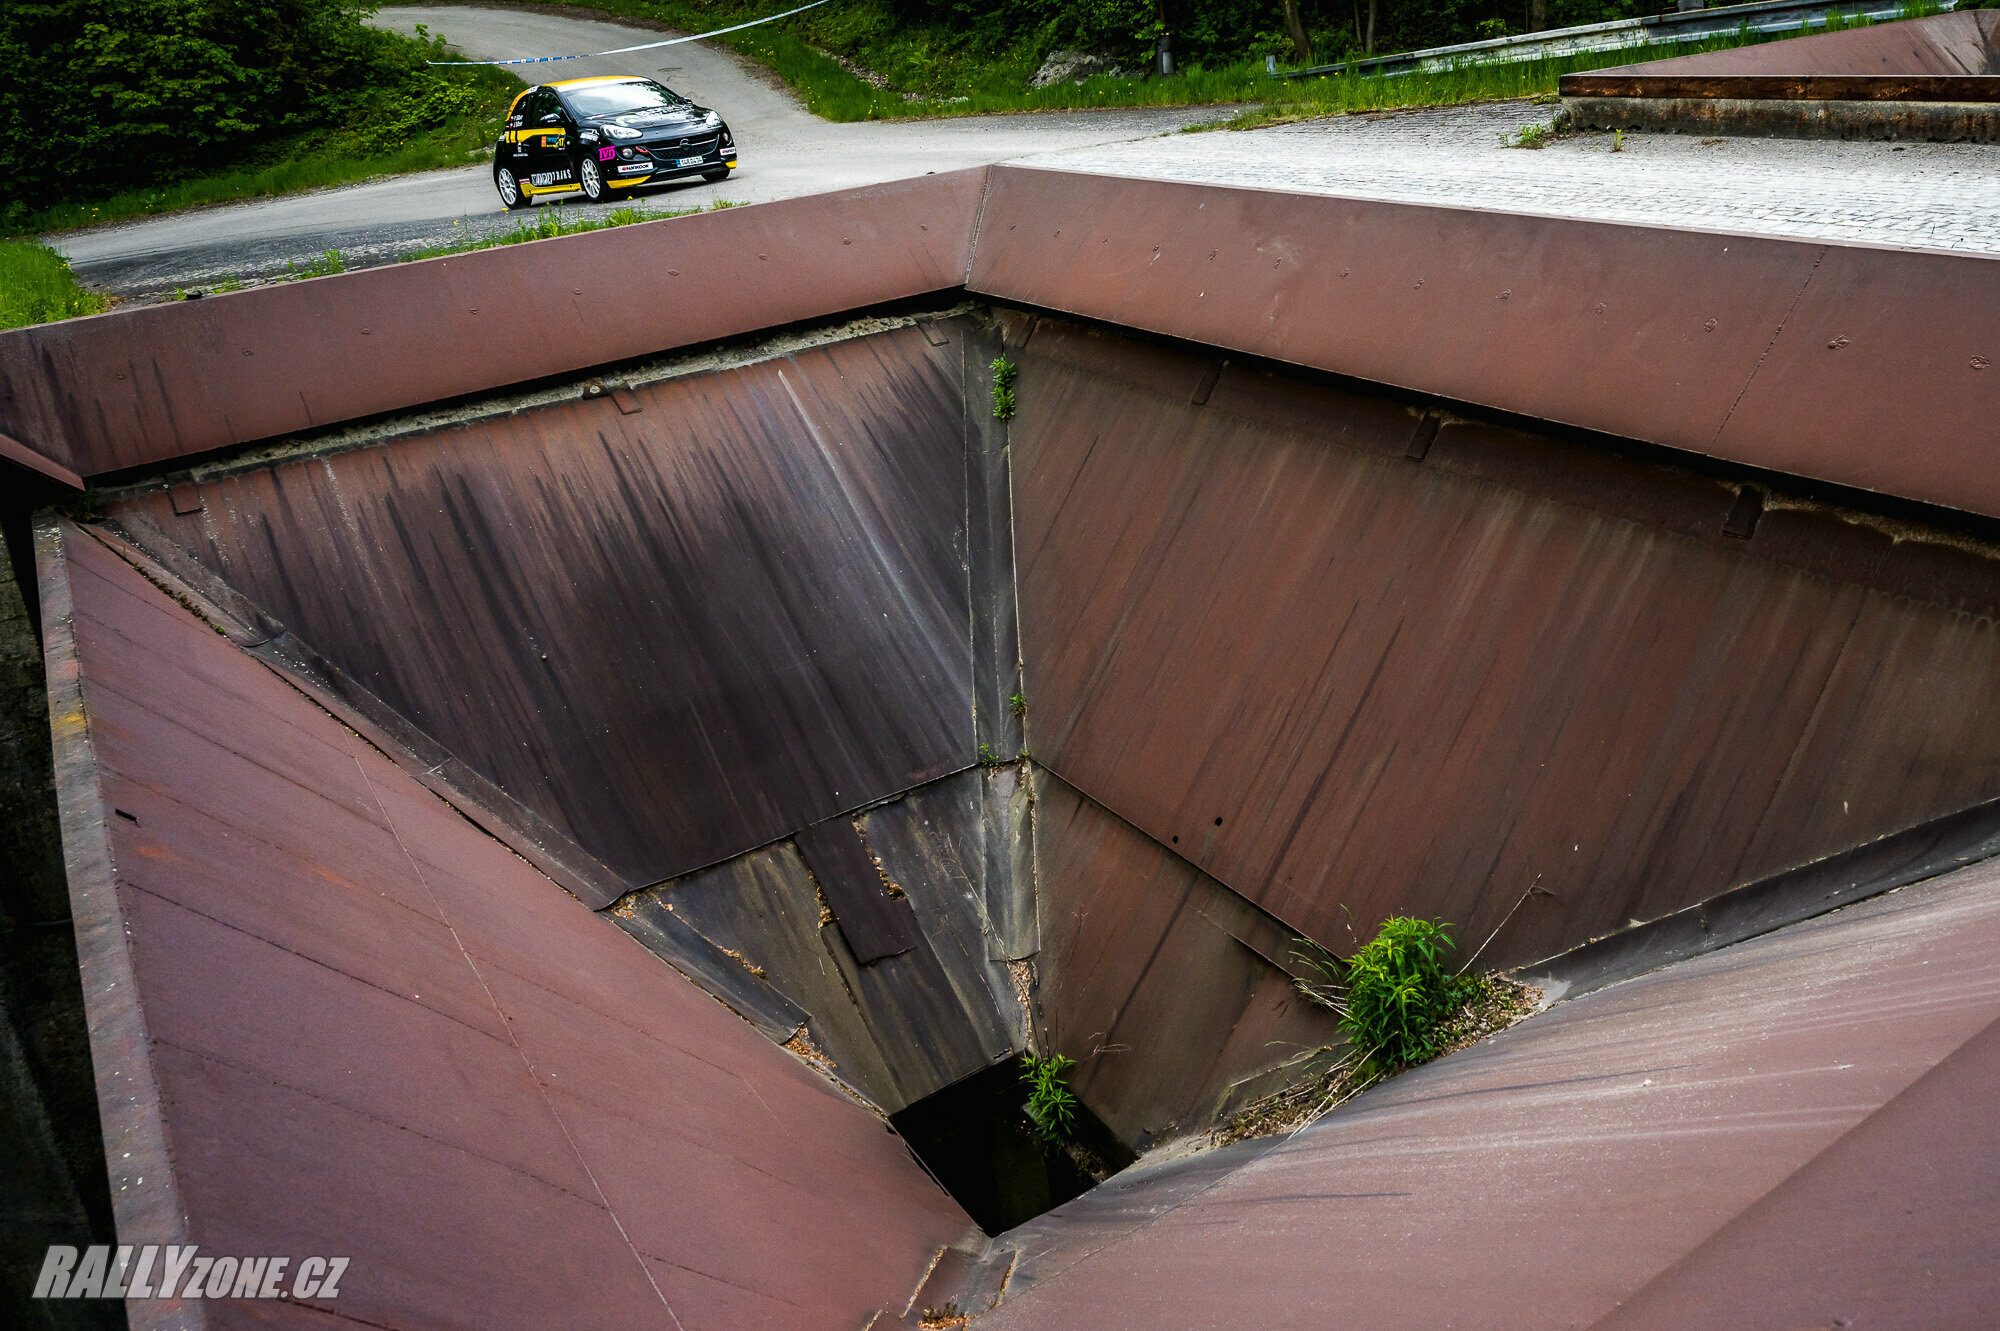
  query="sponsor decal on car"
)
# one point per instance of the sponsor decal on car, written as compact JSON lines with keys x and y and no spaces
{"x":606,"y":154}
{"x":549,"y":177}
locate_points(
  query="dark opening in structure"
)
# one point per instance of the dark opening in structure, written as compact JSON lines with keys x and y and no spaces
{"x":976,"y":1139}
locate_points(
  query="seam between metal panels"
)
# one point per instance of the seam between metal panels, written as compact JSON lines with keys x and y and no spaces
{"x":128,"y":1091}
{"x":513,"y":1037}
{"x":1776,"y":333}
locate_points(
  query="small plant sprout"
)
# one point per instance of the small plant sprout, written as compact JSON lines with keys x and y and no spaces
{"x":1530,"y":136}
{"x":1618,"y":140}
{"x":1051,"y":1107}
{"x":1019,"y":703}
{"x":1003,"y":389}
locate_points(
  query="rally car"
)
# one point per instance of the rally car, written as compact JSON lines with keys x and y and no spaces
{"x":594,"y":136}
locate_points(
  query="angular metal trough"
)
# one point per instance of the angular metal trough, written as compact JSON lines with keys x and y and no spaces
{"x":554,"y":745}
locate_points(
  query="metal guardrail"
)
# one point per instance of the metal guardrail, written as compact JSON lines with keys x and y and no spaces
{"x":1653,"y":30}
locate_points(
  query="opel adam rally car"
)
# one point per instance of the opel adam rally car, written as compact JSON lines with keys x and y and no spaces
{"x":594,"y":136}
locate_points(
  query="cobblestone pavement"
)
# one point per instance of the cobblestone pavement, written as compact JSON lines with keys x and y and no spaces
{"x":1929,"y":195}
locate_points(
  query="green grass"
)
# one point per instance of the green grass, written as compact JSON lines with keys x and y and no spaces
{"x":313,"y":161}
{"x":554,"y":222}
{"x":36,"y":286}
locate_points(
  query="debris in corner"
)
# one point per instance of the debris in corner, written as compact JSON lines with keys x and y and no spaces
{"x":1398,"y":1007}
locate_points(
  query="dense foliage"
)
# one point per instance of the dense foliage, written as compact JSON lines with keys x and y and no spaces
{"x":114,"y":93}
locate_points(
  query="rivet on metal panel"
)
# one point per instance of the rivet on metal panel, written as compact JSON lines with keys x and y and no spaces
{"x":1423,"y":436}
{"x":595,"y":388}
{"x":1980,"y":362}
{"x":185,"y":498}
{"x":1837,"y":343}
{"x":626,"y":400}
{"x":1743,"y":514}
{"x":934,"y":334}
{"x":1209,"y":377}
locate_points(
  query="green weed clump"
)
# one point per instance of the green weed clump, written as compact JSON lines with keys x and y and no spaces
{"x":1399,"y":993}
{"x":37,"y":286}
{"x":1004,"y":372}
{"x":1051,"y":1107}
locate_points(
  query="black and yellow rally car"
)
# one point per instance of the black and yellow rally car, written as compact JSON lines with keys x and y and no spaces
{"x":594,"y":136}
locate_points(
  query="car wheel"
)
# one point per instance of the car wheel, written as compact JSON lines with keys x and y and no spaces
{"x":720,"y":173}
{"x":592,"y":179}
{"x":510,"y":189}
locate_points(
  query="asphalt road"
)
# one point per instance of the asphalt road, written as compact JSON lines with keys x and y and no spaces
{"x":784,"y":151}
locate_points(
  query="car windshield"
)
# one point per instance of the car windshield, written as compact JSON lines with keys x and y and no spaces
{"x":610,"y":99}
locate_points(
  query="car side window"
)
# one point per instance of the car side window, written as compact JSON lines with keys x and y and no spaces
{"x":547,"y":109}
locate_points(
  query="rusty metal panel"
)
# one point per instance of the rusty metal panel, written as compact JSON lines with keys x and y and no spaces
{"x":1163,"y":1010}
{"x":673,"y":635}
{"x":493,"y":1098}
{"x":1646,"y":333}
{"x":165,"y":381}
{"x":1793,"y":87}
{"x":1349,"y":684}
{"x":1919,"y":417}
{"x":901,"y":1026}
{"x":874,"y":923}
{"x":1759,"y":1137}
{"x":1943,"y":45}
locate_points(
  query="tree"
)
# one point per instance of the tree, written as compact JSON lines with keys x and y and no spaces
{"x":1301,"y":44}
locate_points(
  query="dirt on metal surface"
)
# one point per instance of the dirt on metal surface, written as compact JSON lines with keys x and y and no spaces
{"x":675,"y":632}
{"x":492,"y":1098}
{"x":1671,"y":1145}
{"x":1351,"y":683}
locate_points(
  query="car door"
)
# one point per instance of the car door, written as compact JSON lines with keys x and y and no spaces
{"x":546,"y":136}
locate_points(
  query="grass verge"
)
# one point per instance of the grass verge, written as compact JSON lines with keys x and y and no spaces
{"x":36,"y":286}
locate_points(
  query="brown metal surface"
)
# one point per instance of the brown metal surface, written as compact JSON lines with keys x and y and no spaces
{"x":501,"y":1108}
{"x":1348,"y":684}
{"x":674,"y":635}
{"x":901,"y":1026}
{"x":874,"y":923}
{"x":165,"y":381}
{"x":1959,"y":45}
{"x":1938,"y":122}
{"x":1173,"y":1021}
{"x":1797,"y":87}
{"x":1646,"y":333}
{"x":1763,"y":1137}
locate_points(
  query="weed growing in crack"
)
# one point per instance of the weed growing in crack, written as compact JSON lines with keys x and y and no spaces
{"x":1019,"y":703}
{"x":1051,"y":1107}
{"x":1004,"y":372}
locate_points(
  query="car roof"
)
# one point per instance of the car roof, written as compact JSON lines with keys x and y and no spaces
{"x":602,"y":78}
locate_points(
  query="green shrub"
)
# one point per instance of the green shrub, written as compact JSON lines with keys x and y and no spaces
{"x":1051,"y":1107}
{"x":1399,"y":991}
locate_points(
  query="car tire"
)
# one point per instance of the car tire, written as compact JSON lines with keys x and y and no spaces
{"x":720,"y":173}
{"x":591,"y":179}
{"x":510,"y":189}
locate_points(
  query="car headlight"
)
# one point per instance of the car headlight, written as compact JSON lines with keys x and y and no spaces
{"x":621,"y":132}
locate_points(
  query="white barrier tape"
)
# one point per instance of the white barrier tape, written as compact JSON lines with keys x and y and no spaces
{"x":643,"y":46}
